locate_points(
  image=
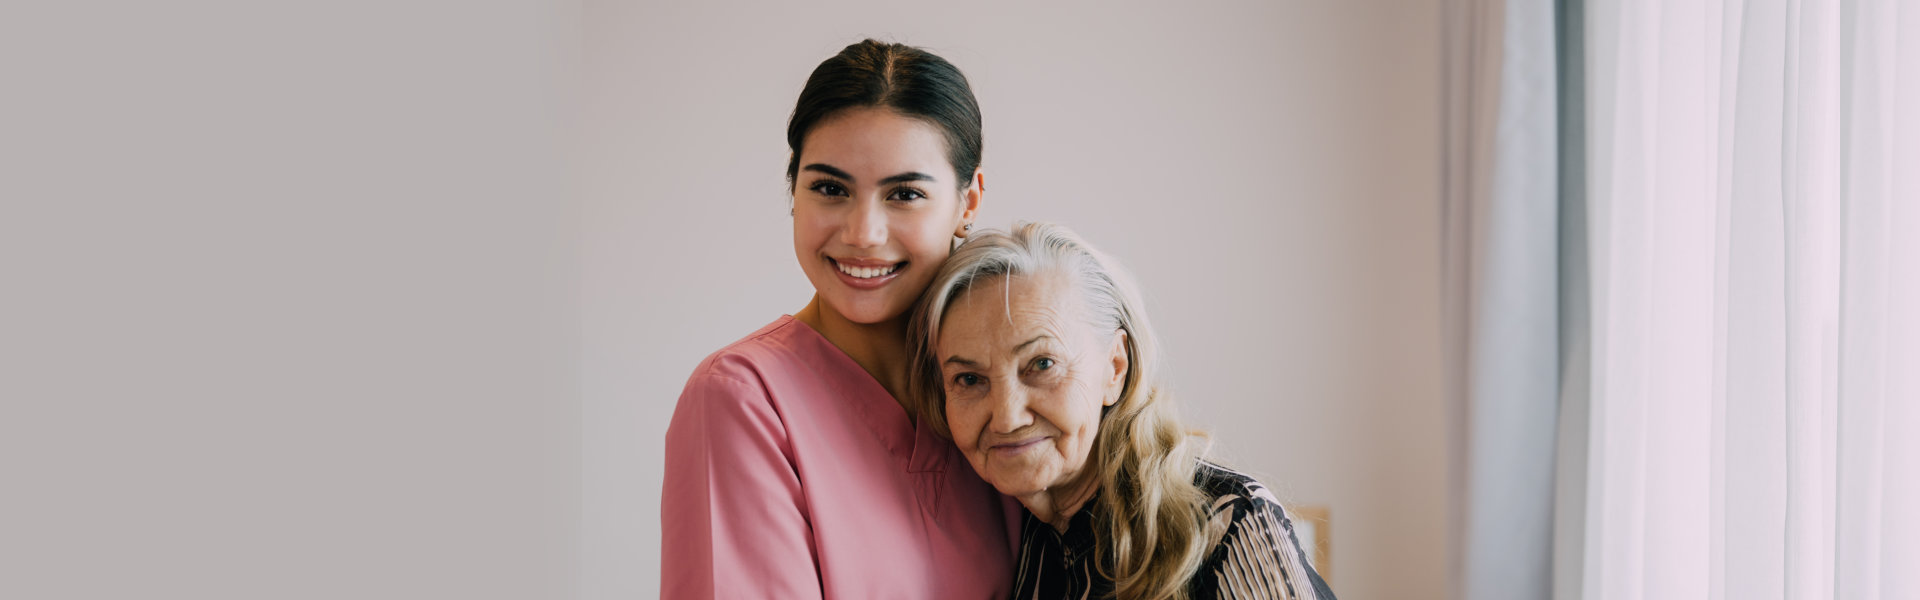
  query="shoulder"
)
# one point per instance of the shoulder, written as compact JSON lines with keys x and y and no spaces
{"x":1242,"y":514}
{"x":734,"y":389}
{"x":1227,"y":489}
{"x":748,"y":361}
{"x":1252,"y":540}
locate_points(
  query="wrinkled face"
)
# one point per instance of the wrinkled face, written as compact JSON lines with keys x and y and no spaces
{"x":1026,"y":377}
{"x":876,"y":206}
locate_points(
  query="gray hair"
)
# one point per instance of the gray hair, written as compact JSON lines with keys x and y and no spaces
{"x":1145,"y":457}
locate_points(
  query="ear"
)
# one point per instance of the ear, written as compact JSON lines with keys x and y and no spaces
{"x":1120,"y":367}
{"x":970,"y":203}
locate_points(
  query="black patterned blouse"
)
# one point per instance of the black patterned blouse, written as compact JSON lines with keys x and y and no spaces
{"x":1255,"y":554}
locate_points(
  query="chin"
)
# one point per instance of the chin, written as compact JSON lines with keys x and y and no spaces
{"x":873,"y":317}
{"x":869,"y":312}
{"x":1016,"y":492}
{"x":1016,"y":487}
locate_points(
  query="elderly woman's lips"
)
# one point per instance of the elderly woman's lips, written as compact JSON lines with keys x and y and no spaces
{"x":1013,"y":448}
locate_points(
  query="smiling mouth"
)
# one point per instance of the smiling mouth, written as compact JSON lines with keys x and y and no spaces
{"x":867,"y":272}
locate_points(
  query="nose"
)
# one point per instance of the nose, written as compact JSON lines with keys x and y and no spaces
{"x":1010,"y":412}
{"x":866,"y":226}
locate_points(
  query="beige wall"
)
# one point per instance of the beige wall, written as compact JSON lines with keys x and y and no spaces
{"x":287,"y":300}
{"x":1269,"y":170}
{"x":292,"y":292}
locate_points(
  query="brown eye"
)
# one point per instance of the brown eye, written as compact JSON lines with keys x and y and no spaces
{"x":828,"y":188}
{"x":966,"y":380}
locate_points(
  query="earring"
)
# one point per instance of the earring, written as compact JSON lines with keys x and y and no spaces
{"x":969,"y":227}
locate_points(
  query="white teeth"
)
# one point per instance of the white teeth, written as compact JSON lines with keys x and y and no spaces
{"x":866,"y":272}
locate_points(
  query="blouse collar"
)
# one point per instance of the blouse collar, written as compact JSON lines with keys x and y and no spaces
{"x":1079,"y":540}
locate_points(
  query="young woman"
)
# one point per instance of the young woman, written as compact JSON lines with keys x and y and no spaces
{"x":793,"y":469}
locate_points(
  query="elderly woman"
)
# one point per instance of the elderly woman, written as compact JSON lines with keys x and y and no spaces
{"x":1034,"y":357}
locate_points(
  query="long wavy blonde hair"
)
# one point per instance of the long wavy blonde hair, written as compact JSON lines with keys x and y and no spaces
{"x":1153,"y":515}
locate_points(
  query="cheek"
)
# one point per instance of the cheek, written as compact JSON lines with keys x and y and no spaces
{"x":1078,"y":407}
{"x":811,"y":228}
{"x":806,"y":240}
{"x":964,"y":425}
{"x":930,"y":233}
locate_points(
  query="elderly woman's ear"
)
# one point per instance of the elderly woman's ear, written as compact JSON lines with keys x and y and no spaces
{"x":1119,"y":381}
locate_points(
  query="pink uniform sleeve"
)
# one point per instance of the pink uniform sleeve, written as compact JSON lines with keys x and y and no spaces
{"x":731,"y":510}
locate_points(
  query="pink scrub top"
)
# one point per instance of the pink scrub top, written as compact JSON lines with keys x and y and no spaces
{"x":791,"y":473}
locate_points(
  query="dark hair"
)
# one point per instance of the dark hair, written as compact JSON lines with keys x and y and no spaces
{"x":911,"y":81}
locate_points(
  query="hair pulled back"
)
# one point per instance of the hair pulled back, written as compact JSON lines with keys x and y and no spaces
{"x":910,"y":81}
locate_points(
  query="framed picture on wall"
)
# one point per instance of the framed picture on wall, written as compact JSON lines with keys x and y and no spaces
{"x":1313,"y":524}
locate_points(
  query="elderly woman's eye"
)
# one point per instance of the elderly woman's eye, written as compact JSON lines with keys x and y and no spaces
{"x":966,"y":379}
{"x":1042,"y":364}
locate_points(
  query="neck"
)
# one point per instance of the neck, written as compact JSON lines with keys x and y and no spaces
{"x":879,"y":348}
{"x":1057,"y":505}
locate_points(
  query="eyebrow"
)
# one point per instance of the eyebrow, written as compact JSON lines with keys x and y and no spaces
{"x":955,"y":360}
{"x":1037,"y":338}
{"x":901,"y":178}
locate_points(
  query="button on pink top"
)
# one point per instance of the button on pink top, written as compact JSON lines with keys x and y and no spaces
{"x":792,"y":474}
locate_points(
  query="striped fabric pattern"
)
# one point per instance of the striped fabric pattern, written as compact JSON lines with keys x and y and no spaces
{"x":1255,"y":552}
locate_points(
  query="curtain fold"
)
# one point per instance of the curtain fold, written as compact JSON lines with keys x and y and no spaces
{"x":1753,"y":179}
{"x":1501,"y":268}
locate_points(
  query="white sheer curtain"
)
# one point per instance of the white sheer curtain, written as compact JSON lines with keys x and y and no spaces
{"x":1753,"y":236}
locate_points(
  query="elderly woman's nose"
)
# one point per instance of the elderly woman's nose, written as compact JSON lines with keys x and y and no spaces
{"x":1010,"y":411}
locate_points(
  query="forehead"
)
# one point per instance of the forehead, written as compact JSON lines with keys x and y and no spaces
{"x":995,"y":315}
{"x":870,"y":143}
